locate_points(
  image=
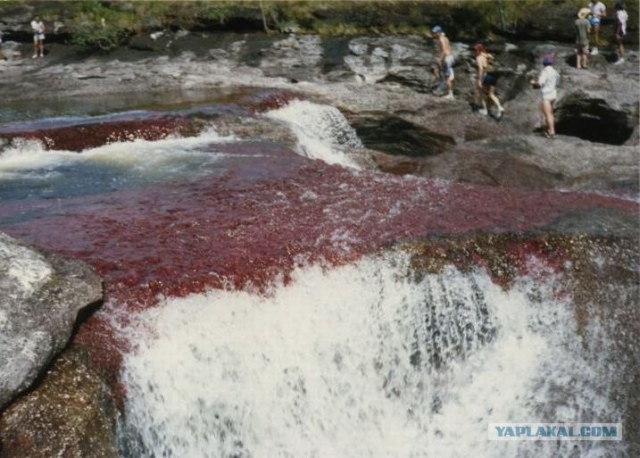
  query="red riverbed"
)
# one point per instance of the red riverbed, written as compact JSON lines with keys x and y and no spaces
{"x":271,"y":210}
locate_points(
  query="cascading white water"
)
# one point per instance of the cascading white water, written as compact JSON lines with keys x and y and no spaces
{"x":27,"y":168}
{"x":322,"y":131}
{"x":146,"y":156}
{"x":364,"y":360}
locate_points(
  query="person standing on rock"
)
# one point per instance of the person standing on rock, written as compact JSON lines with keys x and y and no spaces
{"x":598,"y":12}
{"x":487,"y":79}
{"x":445,"y":59}
{"x":620,"y":30}
{"x":38,"y":37}
{"x":583,"y":28}
{"x":2,"y":56}
{"x":547,"y":82}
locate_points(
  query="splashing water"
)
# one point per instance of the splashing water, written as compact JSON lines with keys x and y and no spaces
{"x":365,"y":360}
{"x":28,"y":168}
{"x":322,"y":131}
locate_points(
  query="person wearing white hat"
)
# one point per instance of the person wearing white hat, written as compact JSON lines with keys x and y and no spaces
{"x":582,"y":38}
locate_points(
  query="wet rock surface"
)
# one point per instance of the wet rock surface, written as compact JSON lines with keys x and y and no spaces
{"x":42,"y":294}
{"x":70,"y":413}
{"x":599,"y":275}
{"x":384,"y":87}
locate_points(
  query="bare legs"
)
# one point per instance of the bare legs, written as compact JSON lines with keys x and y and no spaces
{"x":596,"y":33}
{"x":494,"y":98}
{"x":38,"y":47}
{"x":582,"y":57}
{"x":620,"y":49}
{"x":489,"y":92}
{"x":546,"y":106}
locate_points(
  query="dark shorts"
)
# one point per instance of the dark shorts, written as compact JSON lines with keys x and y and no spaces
{"x":490,"y":79}
{"x":582,"y":50}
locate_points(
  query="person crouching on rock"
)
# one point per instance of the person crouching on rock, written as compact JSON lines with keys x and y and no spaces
{"x":547,"y":82}
{"x":583,"y":28}
{"x":487,"y":79}
{"x":445,"y":59}
{"x":38,"y":37}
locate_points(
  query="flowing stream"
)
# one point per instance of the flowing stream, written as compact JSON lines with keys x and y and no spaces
{"x":362,"y":360}
{"x":364,"y":357}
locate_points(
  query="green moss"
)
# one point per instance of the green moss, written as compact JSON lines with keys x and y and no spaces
{"x":107,"y":24}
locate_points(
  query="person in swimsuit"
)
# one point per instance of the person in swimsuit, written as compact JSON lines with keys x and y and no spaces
{"x":445,"y":59}
{"x":487,"y":79}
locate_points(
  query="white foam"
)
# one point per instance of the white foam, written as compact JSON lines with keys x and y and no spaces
{"x":30,"y":154}
{"x":322,"y":131}
{"x":29,"y":159}
{"x":342,"y":363}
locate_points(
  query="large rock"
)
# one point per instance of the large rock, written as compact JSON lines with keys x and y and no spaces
{"x":528,"y":161}
{"x":42,"y":295}
{"x":71,"y":414}
{"x":384,"y":85}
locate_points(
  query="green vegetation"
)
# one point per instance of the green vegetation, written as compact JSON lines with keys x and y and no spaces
{"x":98,"y":26}
{"x":107,"y":24}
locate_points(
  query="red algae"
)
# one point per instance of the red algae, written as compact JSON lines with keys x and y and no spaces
{"x":94,"y":134}
{"x":254,"y":224}
{"x":268,"y":99}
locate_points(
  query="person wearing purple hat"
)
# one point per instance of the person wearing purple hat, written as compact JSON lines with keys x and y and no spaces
{"x":547,"y":82}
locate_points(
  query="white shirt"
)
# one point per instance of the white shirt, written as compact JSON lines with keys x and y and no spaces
{"x":622,"y":17}
{"x":548,"y":81}
{"x":598,"y":9}
{"x":37,"y":26}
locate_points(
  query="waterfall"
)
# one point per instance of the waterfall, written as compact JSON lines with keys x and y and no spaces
{"x":363,"y":360}
{"x":322,"y":131}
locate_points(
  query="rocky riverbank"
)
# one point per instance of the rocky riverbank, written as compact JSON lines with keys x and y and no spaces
{"x":384,"y":87}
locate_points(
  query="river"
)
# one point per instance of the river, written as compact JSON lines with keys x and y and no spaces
{"x":262,"y":299}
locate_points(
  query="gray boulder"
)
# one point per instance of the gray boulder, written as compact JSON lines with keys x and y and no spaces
{"x":40,"y":297}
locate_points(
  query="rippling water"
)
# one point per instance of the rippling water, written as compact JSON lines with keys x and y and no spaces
{"x":264,"y":313}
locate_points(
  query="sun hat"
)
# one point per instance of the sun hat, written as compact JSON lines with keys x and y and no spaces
{"x":583,"y":13}
{"x":437,"y":29}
